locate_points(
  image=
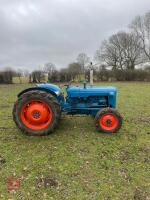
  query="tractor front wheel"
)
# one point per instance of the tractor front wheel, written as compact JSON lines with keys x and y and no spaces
{"x":108,"y":120}
{"x":36,"y":113}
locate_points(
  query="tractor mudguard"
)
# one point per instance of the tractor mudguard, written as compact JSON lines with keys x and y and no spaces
{"x":37,"y":88}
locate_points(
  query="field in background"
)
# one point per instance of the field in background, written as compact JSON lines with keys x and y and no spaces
{"x":22,"y":79}
{"x":77,"y":162}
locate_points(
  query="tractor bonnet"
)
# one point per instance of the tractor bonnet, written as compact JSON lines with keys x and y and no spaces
{"x":91,"y":91}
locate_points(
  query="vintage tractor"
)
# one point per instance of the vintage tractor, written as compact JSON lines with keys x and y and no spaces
{"x":38,"y":109}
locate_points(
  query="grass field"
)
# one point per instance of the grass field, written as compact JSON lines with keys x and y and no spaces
{"x":77,"y":162}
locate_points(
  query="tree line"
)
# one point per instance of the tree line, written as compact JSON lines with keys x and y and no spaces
{"x":116,"y":59}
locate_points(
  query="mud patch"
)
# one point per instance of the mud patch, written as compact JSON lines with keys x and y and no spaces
{"x":140,"y":194}
{"x":124,"y":174}
{"x":143,"y":119}
{"x":124,"y":156}
{"x":2,"y":160}
{"x":145,"y":151}
{"x":46,"y":182}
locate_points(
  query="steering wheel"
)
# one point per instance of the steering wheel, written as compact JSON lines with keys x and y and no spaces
{"x":84,"y":83}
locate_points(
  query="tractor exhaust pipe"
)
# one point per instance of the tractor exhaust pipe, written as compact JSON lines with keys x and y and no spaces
{"x":91,"y":74}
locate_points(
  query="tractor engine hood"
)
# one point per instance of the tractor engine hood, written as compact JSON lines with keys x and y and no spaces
{"x":50,"y":87}
{"x":91,"y":91}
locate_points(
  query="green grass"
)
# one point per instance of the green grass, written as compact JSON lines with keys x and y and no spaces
{"x":21,"y":80}
{"x":78,"y":162}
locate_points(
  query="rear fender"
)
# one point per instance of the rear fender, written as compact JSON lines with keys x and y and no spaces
{"x":37,"y":88}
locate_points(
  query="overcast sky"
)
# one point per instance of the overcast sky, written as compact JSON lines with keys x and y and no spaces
{"x":34,"y":32}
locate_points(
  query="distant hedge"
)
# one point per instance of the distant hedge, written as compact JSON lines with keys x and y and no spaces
{"x":123,"y":75}
{"x":6,"y":77}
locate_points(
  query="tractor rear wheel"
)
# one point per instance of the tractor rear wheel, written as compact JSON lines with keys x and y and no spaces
{"x":36,"y":113}
{"x":108,"y":120}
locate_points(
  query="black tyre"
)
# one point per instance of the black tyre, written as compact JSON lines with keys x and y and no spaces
{"x":108,"y":120}
{"x":36,"y":113}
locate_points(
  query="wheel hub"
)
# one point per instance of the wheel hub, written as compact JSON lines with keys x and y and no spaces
{"x":36,"y":115}
{"x":108,"y":122}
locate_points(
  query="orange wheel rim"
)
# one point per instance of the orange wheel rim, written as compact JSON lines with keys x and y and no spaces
{"x":108,"y":122}
{"x":36,"y":114}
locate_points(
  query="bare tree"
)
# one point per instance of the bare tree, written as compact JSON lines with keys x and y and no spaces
{"x":141,"y":27}
{"x":19,"y":74}
{"x":7,"y":75}
{"x":50,"y":69}
{"x":74,"y":69}
{"x":108,"y":54}
{"x":37,"y":76}
{"x":83,"y":60}
{"x":30,"y":78}
{"x":121,"y":51}
{"x":130,"y":46}
{"x":64,"y":75}
{"x":26,"y":73}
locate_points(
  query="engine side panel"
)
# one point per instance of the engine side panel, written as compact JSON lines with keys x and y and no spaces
{"x":90,"y":100}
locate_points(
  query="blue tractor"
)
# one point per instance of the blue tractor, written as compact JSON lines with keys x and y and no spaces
{"x":38,"y":109}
